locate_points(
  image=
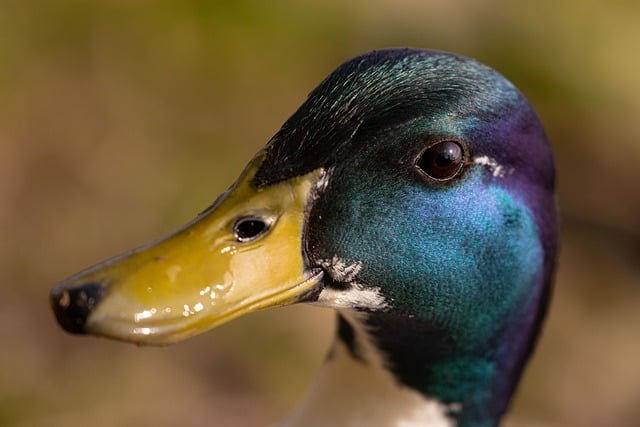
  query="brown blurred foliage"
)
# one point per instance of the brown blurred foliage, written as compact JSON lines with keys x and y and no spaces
{"x":119,"y":120}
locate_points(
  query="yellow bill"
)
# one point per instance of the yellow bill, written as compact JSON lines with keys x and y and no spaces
{"x":241,"y":255}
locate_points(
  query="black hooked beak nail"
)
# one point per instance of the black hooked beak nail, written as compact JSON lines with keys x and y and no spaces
{"x":72,"y":306}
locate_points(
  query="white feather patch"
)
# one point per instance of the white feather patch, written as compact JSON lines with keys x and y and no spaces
{"x":340,"y":271}
{"x":497,"y":169}
{"x":355,"y":295}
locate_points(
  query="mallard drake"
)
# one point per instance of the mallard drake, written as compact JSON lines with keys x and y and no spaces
{"x":412,"y":192}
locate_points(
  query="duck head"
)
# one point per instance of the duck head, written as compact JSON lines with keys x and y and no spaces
{"x":413,"y":191}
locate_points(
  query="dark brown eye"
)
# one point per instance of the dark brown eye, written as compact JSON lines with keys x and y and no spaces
{"x":250,"y":228}
{"x":442,"y":160}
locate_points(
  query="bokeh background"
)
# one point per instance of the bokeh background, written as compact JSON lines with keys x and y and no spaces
{"x":120,"y":120}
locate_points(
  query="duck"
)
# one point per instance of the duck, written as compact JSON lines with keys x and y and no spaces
{"x":412,"y":193}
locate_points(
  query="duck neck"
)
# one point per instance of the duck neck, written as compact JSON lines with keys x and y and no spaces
{"x":355,"y":388}
{"x":474,"y":383}
{"x":395,"y":371}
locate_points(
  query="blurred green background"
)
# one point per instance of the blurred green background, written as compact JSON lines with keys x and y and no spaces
{"x":120,"y":120}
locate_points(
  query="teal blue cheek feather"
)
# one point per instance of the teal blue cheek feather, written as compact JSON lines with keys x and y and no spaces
{"x":442,"y":255}
{"x":457,"y":267}
{"x":468,"y":246}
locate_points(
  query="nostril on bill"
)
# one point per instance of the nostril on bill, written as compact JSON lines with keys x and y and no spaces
{"x":73,"y":306}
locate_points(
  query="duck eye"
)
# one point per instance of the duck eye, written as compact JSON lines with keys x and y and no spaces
{"x":250,"y":228}
{"x":442,"y":161}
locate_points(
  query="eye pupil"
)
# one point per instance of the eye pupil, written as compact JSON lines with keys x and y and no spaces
{"x":249,"y":228}
{"x":442,"y":161}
